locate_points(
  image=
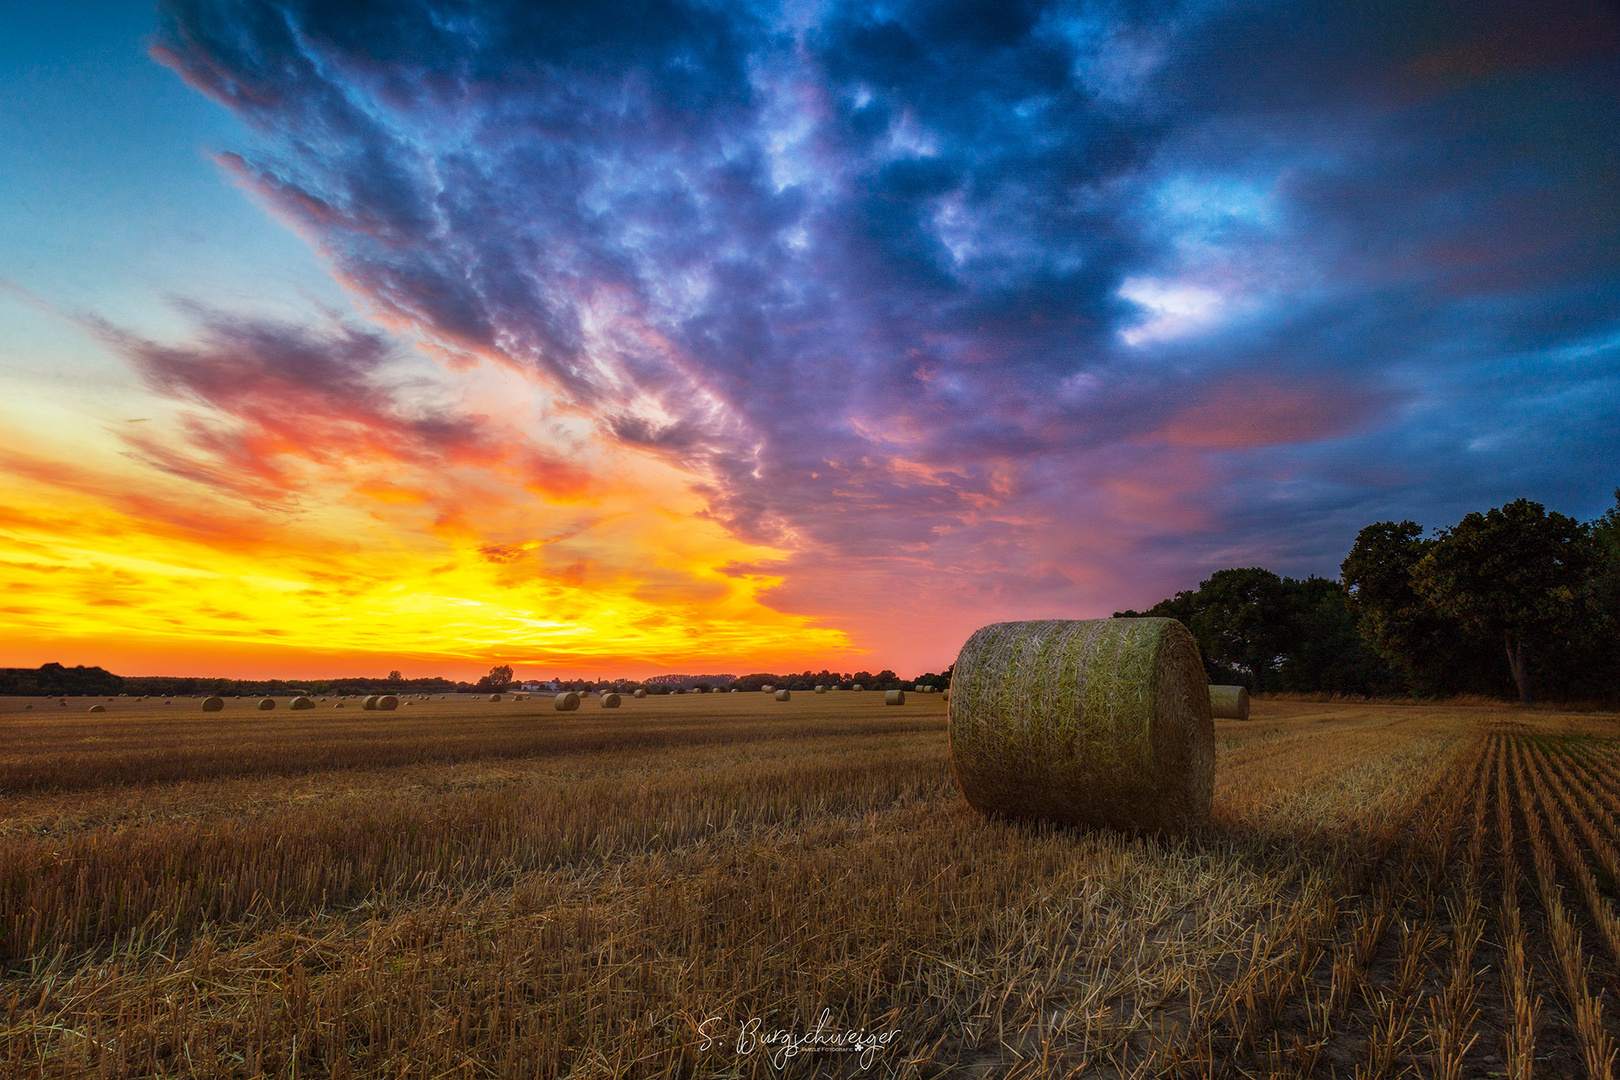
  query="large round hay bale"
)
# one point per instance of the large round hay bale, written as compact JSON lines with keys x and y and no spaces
{"x":856,"y":686}
{"x":1096,"y":722}
{"x":98,"y":708}
{"x":821,"y":689}
{"x":784,"y":695}
{"x":641,"y":693}
{"x":610,"y":701}
{"x":767,"y":689}
{"x":266,"y":704}
{"x":370,"y":703}
{"x":388,"y":703}
{"x":213,"y":704}
{"x":921,"y":688}
{"x":1229,"y":702}
{"x":894,"y":697}
{"x":567,"y":701}
{"x":303,"y":703}
{"x":494,"y":697}
{"x":736,"y":689}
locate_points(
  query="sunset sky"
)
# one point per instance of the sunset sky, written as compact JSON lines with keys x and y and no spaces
{"x":635,"y":338}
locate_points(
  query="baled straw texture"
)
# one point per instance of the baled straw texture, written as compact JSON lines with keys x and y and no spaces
{"x":370,"y":703}
{"x":1096,"y":722}
{"x":266,"y":704}
{"x":641,"y":692}
{"x":767,"y":689}
{"x":856,"y":686}
{"x":1229,"y":702}
{"x":302,"y":703}
{"x":566,"y":701}
{"x":98,"y":708}
{"x":894,"y":697}
{"x":784,"y":695}
{"x":388,"y":703}
{"x":610,"y":701}
{"x":213,"y":704}
{"x":821,"y":689}
{"x":494,"y":697}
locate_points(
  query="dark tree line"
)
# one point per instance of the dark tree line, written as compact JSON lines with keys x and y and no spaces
{"x":1517,"y":601}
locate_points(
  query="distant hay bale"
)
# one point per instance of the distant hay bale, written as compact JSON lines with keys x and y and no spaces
{"x":98,"y":708}
{"x":388,"y":703}
{"x":213,"y":704}
{"x":1095,"y":722}
{"x":736,"y":689}
{"x":894,"y":697}
{"x":266,"y":704}
{"x":567,"y":701}
{"x":821,"y":689}
{"x":494,"y":697}
{"x":302,"y":703}
{"x":370,"y":703}
{"x":921,"y":688}
{"x":1229,"y":702}
{"x":610,"y":701}
{"x":339,"y":705}
{"x":784,"y":695}
{"x":641,"y":693}
{"x":767,"y":689}
{"x":856,"y":686}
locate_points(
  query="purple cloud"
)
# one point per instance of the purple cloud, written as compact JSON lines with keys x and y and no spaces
{"x":1024,"y":308}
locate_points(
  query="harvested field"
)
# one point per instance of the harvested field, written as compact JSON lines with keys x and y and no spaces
{"x":478,"y":888}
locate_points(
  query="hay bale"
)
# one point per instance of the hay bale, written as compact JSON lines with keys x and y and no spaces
{"x":98,"y":708}
{"x":1229,"y":702}
{"x":1097,"y":722}
{"x":641,"y":693}
{"x":266,"y":704}
{"x":339,"y":705}
{"x":388,"y":703}
{"x":894,"y":697}
{"x":370,"y":703}
{"x":856,"y":686}
{"x":821,"y":689}
{"x":784,"y":695}
{"x":213,"y":704}
{"x":302,"y":703}
{"x":610,"y":701}
{"x":736,"y":689}
{"x":567,"y":701}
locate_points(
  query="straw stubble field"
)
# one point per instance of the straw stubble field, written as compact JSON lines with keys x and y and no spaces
{"x":688,"y":886}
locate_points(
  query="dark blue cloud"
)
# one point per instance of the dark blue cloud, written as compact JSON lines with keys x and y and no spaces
{"x":1092,"y":297}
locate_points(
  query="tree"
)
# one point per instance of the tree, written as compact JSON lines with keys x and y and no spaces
{"x":395,"y":676}
{"x":1516,"y":575}
{"x":498,"y":679}
{"x":1434,"y":653}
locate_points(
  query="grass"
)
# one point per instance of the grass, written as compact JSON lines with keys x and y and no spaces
{"x":463,"y":888}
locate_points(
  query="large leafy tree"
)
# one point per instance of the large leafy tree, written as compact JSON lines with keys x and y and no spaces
{"x":1430,"y":651}
{"x":1517,"y":575}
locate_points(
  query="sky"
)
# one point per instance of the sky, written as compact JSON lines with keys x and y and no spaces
{"x":338,"y":338}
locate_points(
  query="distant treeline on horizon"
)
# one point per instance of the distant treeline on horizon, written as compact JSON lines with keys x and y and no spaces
{"x":1514,"y":602}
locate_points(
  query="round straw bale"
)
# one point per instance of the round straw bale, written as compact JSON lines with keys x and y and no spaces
{"x":339,"y":705}
{"x":894,"y":697}
{"x":567,"y":701}
{"x":641,"y":693}
{"x":856,"y":686}
{"x":494,"y":697}
{"x":610,"y":701}
{"x":98,"y":708}
{"x":266,"y":704}
{"x":213,"y":704}
{"x":767,"y":689}
{"x":370,"y":703}
{"x":388,"y":703}
{"x":303,"y":703}
{"x":784,"y":695}
{"x":821,"y":689}
{"x":1229,"y":702}
{"x":1097,"y":722}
